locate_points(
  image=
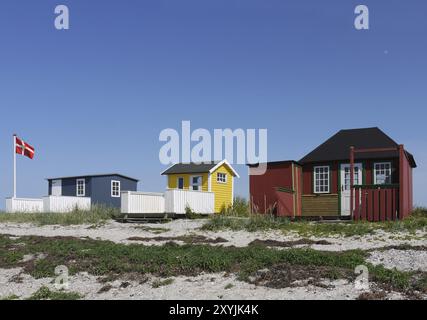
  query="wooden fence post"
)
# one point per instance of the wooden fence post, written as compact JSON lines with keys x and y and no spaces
{"x":351,"y":180}
{"x":401,"y":176}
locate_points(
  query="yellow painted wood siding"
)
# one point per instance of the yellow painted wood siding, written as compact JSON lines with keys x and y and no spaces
{"x":223,"y":191}
{"x":173,"y":180}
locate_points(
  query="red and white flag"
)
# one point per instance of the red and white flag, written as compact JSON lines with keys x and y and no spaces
{"x":23,"y":148}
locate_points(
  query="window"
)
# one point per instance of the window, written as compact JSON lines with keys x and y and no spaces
{"x":347,"y":176}
{"x":180,"y":183}
{"x":80,"y":187}
{"x":382,"y":173}
{"x":221,"y":177}
{"x":321,"y":179}
{"x":115,"y":189}
{"x":196,"y":183}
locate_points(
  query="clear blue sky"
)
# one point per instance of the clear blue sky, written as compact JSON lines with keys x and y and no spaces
{"x":95,"y":98}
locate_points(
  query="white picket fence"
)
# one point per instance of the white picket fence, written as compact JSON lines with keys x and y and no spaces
{"x":142,"y":202}
{"x":24,"y":205}
{"x":47,"y":204}
{"x":200,"y":202}
{"x":172,"y":201}
{"x":65,"y":204}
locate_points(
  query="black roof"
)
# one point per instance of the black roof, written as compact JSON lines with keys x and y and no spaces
{"x":190,"y":167}
{"x":338,"y":146}
{"x":273,"y":163}
{"x":94,"y":175}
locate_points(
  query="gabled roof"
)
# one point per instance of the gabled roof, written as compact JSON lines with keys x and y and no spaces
{"x":205,"y":167}
{"x":94,"y":175}
{"x":337,"y":147}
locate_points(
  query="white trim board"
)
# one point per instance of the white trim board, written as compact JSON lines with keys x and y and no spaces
{"x":219,"y":164}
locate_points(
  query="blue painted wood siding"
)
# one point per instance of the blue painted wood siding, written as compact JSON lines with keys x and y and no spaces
{"x":101,"y":189}
{"x":97,"y":188}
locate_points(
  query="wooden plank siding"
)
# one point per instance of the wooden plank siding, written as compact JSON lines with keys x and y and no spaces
{"x":320,"y":205}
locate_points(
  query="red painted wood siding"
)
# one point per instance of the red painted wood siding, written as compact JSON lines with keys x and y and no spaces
{"x":263,"y":190}
{"x":285,"y":203}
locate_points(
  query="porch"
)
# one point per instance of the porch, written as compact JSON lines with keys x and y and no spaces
{"x":382,"y":202}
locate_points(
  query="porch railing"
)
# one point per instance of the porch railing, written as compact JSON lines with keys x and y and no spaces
{"x":376,"y":202}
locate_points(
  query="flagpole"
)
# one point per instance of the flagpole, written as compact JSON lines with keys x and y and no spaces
{"x":14,"y":166}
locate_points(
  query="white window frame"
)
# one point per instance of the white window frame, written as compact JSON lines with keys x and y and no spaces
{"x":328,"y":179}
{"x":183,"y":183}
{"x":78,"y":194}
{"x":113,"y":195}
{"x":390,"y":168}
{"x":220,"y":180}
{"x":199,"y":185}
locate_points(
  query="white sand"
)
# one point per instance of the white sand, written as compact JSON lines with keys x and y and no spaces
{"x":202,"y":287}
{"x":120,"y":232}
{"x":209,"y":286}
{"x":405,"y":260}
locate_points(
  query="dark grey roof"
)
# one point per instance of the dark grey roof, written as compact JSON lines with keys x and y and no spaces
{"x":338,"y":146}
{"x":94,"y":175}
{"x":190,"y":168}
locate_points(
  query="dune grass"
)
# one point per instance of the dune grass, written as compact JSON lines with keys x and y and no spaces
{"x":10,"y":297}
{"x":105,"y":258}
{"x":239,"y":208}
{"x":97,"y":214}
{"x":260,"y":222}
{"x":44,"y":293}
{"x":162,"y":283}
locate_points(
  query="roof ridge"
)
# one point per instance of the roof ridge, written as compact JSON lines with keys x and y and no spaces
{"x":363,"y":128}
{"x":196,"y":163}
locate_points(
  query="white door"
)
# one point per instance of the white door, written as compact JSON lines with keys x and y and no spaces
{"x":57,"y":188}
{"x":345,"y":185}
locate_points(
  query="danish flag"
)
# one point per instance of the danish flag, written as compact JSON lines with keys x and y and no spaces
{"x":23,"y":148}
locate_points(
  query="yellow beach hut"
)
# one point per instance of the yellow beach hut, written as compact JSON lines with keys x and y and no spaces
{"x":216,"y":177}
